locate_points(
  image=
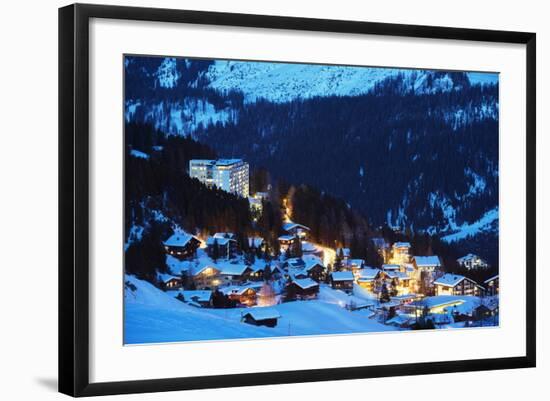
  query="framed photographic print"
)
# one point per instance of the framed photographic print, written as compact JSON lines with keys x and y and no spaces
{"x":238,"y":188}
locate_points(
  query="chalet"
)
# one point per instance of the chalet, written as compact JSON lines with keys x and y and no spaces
{"x":257,"y":272}
{"x":399,"y":281}
{"x":492,"y":285}
{"x":233,"y":273}
{"x":169,"y":282}
{"x":202,"y":298}
{"x":342,"y":280}
{"x":296,"y":229}
{"x":261,"y":316}
{"x":285,"y":241}
{"x":206,"y":276}
{"x":400,"y":253}
{"x":472,"y":261}
{"x":243,"y":295}
{"x":427,"y":268}
{"x":226,"y":245}
{"x":304,"y":288}
{"x":181,"y":245}
{"x":366,"y":278}
{"x":315,"y":269}
{"x":454,"y":284}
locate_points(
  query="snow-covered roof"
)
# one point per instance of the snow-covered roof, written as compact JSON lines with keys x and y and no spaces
{"x":397,"y":274}
{"x":305,"y":283}
{"x":210,"y":241}
{"x":197,"y":295}
{"x":390,"y":267}
{"x":296,"y":262}
{"x":262,"y":313}
{"x":312,"y":262}
{"x":202,"y":267}
{"x":235,"y":289}
{"x":342,"y":276}
{"x":367,"y":274}
{"x":495,"y":277}
{"x":449,"y":280}
{"x":426,"y":261}
{"x":286,"y":237}
{"x":232,"y":269}
{"x":179,"y":238}
{"x":166,"y":277}
{"x":291,"y":226}
{"x":224,"y":235}
{"x":402,"y":245}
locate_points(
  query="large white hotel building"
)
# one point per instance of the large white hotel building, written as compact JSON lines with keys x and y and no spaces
{"x":230,"y":175}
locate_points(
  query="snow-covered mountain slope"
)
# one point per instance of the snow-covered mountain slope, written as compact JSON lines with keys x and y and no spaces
{"x":154,"y":316}
{"x":180,"y":95}
{"x":282,"y":82}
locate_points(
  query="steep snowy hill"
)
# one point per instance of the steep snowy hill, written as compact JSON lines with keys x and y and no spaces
{"x":153,"y":316}
{"x":282,"y":82}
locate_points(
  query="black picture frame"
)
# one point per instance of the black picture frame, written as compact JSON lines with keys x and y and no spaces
{"x":74,"y":198}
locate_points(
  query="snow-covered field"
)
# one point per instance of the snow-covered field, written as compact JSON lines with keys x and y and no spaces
{"x":154,"y":316}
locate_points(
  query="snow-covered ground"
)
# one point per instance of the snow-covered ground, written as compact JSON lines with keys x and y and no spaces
{"x":154,"y":316}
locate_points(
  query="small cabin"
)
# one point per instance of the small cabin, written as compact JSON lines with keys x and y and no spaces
{"x":492,"y":286}
{"x":455,"y":284}
{"x":242,"y":295}
{"x":285,"y":241}
{"x":355,"y":264}
{"x":263,"y":316}
{"x":170,"y":282}
{"x":295,"y":229}
{"x":226,"y":246}
{"x":342,"y":280}
{"x":182,"y":245}
{"x":305,"y":288}
{"x":257,"y":272}
{"x":233,"y":274}
{"x":315,"y":270}
{"x":202,"y":298}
